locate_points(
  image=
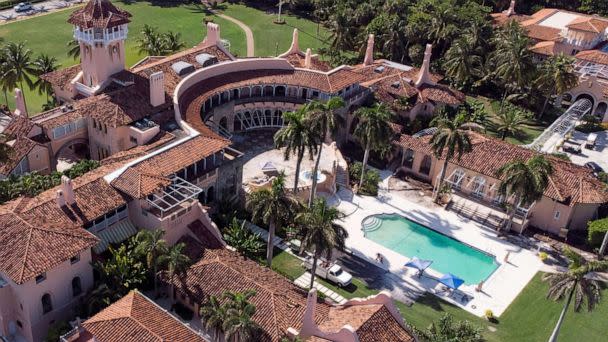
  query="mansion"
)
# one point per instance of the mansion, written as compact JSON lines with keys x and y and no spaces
{"x":585,"y":37}
{"x":163,"y":132}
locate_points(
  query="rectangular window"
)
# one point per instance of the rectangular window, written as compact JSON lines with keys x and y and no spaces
{"x":133,"y":139}
{"x":40,"y":278}
{"x":75,"y":259}
{"x":556,"y":215}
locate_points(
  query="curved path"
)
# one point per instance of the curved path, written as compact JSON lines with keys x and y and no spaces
{"x":248,"y":32}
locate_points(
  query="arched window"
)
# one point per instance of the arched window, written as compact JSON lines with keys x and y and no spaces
{"x":280,"y":91}
{"x":47,"y":305}
{"x":457,"y":178}
{"x":210,"y":195}
{"x":425,"y":166}
{"x":268,"y":91}
{"x":76,"y":286}
{"x":408,"y":158}
{"x":478,"y":187}
{"x":245,"y":92}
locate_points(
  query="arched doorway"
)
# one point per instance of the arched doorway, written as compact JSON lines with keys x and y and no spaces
{"x":279,"y":91}
{"x":210,"y":195}
{"x":76,"y":286}
{"x":588,"y":97}
{"x":71,"y":153}
{"x":600,"y":111}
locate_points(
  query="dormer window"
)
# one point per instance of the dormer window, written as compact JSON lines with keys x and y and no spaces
{"x":75,"y":259}
{"x":40,"y":278}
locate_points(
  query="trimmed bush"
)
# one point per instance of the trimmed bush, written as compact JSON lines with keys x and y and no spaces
{"x":589,"y":127}
{"x":597,"y":230}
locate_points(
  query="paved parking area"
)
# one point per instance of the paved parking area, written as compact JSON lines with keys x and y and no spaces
{"x":39,"y":8}
{"x":599,"y":154}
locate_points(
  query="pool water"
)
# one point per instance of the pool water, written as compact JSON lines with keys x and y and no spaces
{"x":411,"y":239}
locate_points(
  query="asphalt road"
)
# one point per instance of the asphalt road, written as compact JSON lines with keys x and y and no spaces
{"x":40,"y":7}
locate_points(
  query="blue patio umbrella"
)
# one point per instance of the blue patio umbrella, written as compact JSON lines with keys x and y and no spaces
{"x":451,"y":281}
{"x":419,"y":264}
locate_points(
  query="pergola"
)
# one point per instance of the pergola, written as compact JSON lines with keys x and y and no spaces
{"x":178,"y":192}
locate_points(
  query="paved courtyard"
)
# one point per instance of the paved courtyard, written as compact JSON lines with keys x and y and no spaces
{"x":498,"y":291}
{"x":599,"y":154}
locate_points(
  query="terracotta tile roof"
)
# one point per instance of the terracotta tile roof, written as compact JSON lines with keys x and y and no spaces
{"x":539,"y":32}
{"x":61,"y":78}
{"x":279,"y":303}
{"x":151,"y":174}
{"x":99,"y":14}
{"x":372,"y":323}
{"x":569,"y":183}
{"x":19,"y":126}
{"x":135,"y":318}
{"x":298,"y":61}
{"x":545,"y":48}
{"x":595,"y":56}
{"x":194,"y":249}
{"x":588,"y":24}
{"x":441,"y":94}
{"x":502,"y":18}
{"x":21,"y":147}
{"x":38,"y":244}
{"x":203,"y":234}
{"x":540,"y":15}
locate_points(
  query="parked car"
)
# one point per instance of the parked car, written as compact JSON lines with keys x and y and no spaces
{"x":329,"y":271}
{"x":23,"y":7}
{"x":593,"y":166}
{"x":571,"y":147}
{"x":591,"y":140}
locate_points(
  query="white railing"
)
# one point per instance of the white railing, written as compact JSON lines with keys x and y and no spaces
{"x":105,"y":36}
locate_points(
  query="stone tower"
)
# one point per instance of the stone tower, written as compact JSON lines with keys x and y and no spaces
{"x":101,"y":29}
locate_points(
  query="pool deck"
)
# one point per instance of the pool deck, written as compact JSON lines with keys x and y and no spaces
{"x":498,"y":291}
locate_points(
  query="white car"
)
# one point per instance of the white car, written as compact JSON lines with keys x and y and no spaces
{"x":330,"y":271}
{"x":23,"y":7}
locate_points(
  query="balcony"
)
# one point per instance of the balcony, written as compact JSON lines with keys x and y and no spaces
{"x":104,"y":36}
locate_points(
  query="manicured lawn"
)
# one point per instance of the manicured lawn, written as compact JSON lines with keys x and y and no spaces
{"x":268,"y":34}
{"x":529,"y":131}
{"x":531,"y":317}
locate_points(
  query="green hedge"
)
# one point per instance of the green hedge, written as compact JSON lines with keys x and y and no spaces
{"x":596,"y":232}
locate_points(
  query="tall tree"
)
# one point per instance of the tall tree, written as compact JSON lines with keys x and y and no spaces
{"x":151,"y":245}
{"x":450,"y":140}
{"x":323,"y":117}
{"x":556,"y":76}
{"x":297,"y":137}
{"x":575,"y":283}
{"x":44,"y":64}
{"x":18,"y":60}
{"x":4,"y":82}
{"x":175,"y":261}
{"x":272,"y":207}
{"x":512,"y":60}
{"x":73,"y":49}
{"x":122,"y":272}
{"x":213,"y":314}
{"x":173,"y":42}
{"x":463,"y":62}
{"x":373,"y":131}
{"x":526,"y":181}
{"x":321,"y":232}
{"x":239,"y":325}
{"x":510,"y":120}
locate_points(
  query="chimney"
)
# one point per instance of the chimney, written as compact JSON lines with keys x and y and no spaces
{"x":424,"y":76}
{"x":295,"y":44}
{"x":309,"y":327}
{"x":20,"y":103}
{"x":157,"y":89}
{"x":213,"y":34}
{"x":308,"y":59}
{"x":369,"y":52}
{"x":68,"y":190}
{"x":511,"y":9}
{"x":59,"y":199}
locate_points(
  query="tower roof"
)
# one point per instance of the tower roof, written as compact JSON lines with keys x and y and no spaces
{"x":99,"y":14}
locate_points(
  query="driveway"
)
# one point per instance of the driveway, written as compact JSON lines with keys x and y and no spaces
{"x":599,"y":154}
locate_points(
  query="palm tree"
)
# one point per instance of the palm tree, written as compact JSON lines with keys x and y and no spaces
{"x":510,"y":120}
{"x":556,"y":76}
{"x":451,"y":137}
{"x":463,"y":61}
{"x":323,"y":117}
{"x":19,"y":66}
{"x":44,"y":64}
{"x":151,"y":42}
{"x":73,"y":48}
{"x":150,"y":244}
{"x":373,"y":131}
{"x":321,"y":233}
{"x":446,"y":329}
{"x":238,"y":324}
{"x":213,"y":315}
{"x":4,"y":82}
{"x":172,"y":42}
{"x":512,"y":60}
{"x":575,"y":283}
{"x":526,"y":181}
{"x":297,"y":137}
{"x":272,"y":207}
{"x":176,"y":261}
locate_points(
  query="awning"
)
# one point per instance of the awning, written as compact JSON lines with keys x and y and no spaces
{"x":115,"y":234}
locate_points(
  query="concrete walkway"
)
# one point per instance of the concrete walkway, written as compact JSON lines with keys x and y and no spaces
{"x":248,"y":32}
{"x":304,"y":281}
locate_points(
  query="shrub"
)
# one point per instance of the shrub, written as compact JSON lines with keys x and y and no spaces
{"x":597,"y":230}
{"x":560,"y":155}
{"x":246,"y":242}
{"x":56,"y":330}
{"x":603,"y":176}
{"x":543,"y":256}
{"x":370,"y":180}
{"x":589,"y":127}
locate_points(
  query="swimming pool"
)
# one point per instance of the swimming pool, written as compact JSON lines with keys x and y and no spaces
{"x":411,"y":239}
